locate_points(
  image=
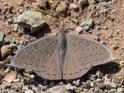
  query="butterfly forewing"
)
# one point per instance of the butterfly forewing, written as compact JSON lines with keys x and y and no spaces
{"x":40,"y":57}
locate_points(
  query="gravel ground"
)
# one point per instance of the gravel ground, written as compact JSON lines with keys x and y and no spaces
{"x":100,"y":19}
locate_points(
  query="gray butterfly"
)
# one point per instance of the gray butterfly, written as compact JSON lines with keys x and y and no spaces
{"x":62,"y":57}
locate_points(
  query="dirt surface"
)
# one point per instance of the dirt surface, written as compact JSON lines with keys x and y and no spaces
{"x":108,"y":28}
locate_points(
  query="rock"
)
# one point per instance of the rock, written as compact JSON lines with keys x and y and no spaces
{"x":120,"y":90}
{"x":102,"y":9}
{"x":99,"y":74}
{"x":28,"y":91}
{"x":113,"y":1}
{"x":10,"y":77}
{"x":70,"y":87}
{"x":93,"y":84}
{"x":1,"y":36}
{"x":86,"y":86}
{"x":96,"y":90}
{"x":77,"y":82}
{"x":74,"y":7}
{"x":93,"y":77}
{"x":101,"y":85}
{"x":41,"y":87}
{"x":32,"y":76}
{"x":87,"y":24}
{"x":12,"y":91}
{"x":121,"y":63}
{"x":61,"y":83}
{"x":43,"y":4}
{"x":25,"y":87}
{"x":115,"y":47}
{"x":62,"y":8}
{"x":34,"y":88}
{"x":5,"y":51}
{"x":31,"y":20}
{"x":107,"y":81}
{"x":112,"y":85}
{"x":7,"y":70}
{"x":20,"y":33}
{"x":99,"y":80}
{"x":113,"y":16}
{"x":58,"y":89}
{"x":15,"y":27}
{"x":83,"y":3}
{"x":52,"y":84}
{"x":112,"y":91}
{"x":78,"y":29}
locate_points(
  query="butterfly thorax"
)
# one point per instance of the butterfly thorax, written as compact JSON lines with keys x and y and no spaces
{"x":62,"y":42}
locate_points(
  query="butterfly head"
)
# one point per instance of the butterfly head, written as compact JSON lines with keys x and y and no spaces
{"x":64,"y":29}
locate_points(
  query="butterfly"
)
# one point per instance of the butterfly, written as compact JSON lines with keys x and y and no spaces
{"x":63,"y":56}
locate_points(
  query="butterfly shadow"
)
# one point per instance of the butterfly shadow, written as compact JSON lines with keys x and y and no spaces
{"x":40,"y":33}
{"x":109,"y":68}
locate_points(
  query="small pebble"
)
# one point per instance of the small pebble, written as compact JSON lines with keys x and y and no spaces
{"x":70,"y":87}
{"x":20,"y":33}
{"x":101,"y":85}
{"x":62,"y":8}
{"x":74,"y":7}
{"x":83,"y":3}
{"x":77,"y":82}
{"x":78,"y":29}
{"x":34,"y":88}
{"x":43,"y":4}
{"x":121,"y":63}
{"x":99,"y":80}
{"x":41,"y":87}
{"x":120,"y":90}
{"x":1,"y":36}
{"x":15,"y":27}
{"x":113,"y":85}
{"x":99,"y":74}
{"x":93,"y":84}
{"x":52,"y":84}
{"x":25,"y":87}
{"x":115,"y":47}
{"x":58,"y":89}
{"x":113,"y":16}
{"x":113,"y":91}
{"x":93,"y":77}
{"x":13,"y":91}
{"x":32,"y":76}
{"x":31,"y":20}
{"x":28,"y":91}
{"x":113,"y":1}
{"x":7,"y":70}
{"x":5,"y":50}
{"x":86,"y":86}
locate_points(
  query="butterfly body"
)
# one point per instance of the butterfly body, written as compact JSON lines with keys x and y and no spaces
{"x":62,"y":57}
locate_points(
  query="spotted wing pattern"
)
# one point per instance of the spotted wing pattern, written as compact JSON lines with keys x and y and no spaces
{"x":40,"y":57}
{"x":82,"y":54}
